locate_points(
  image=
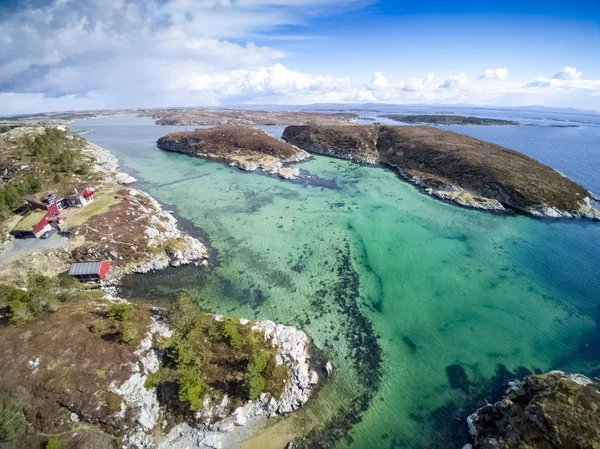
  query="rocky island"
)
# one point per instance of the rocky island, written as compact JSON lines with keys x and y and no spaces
{"x":244,"y":147}
{"x":440,"y":119}
{"x":454,"y":167}
{"x":548,"y":411}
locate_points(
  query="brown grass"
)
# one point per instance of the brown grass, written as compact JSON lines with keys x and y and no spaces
{"x":76,"y":367}
{"x":448,"y":158}
{"x":226,"y":141}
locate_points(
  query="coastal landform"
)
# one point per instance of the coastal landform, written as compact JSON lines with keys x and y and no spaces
{"x":454,"y":167}
{"x":440,"y":119}
{"x":86,"y":368}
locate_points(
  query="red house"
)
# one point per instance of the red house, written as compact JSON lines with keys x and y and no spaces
{"x":89,"y":271}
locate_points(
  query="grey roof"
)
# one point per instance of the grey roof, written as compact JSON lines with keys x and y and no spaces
{"x":84,"y":268}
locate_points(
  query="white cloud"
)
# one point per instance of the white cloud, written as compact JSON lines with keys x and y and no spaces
{"x":500,"y":73}
{"x":81,"y":54}
{"x":568,"y":73}
{"x":416,"y":84}
{"x":378,"y":81}
{"x":567,"y":79}
{"x":455,"y":81}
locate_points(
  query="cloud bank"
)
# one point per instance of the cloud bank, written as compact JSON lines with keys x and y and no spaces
{"x":81,"y":54}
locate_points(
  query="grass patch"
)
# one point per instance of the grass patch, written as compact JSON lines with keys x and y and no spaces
{"x":12,"y":421}
{"x":42,"y":295}
{"x":98,"y":206}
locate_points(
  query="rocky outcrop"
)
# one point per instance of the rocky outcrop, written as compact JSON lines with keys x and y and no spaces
{"x":355,"y":143}
{"x":549,"y":411}
{"x":243,"y":147}
{"x":214,"y":426}
{"x":454,"y":167}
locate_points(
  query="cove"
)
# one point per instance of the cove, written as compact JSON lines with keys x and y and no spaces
{"x":423,"y":308}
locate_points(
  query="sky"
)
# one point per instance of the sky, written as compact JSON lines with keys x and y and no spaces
{"x":95,"y":54}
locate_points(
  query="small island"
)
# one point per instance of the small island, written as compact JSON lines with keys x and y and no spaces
{"x":241,"y":146}
{"x":454,"y":167}
{"x":440,"y":119}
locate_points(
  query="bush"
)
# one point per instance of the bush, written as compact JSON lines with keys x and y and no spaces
{"x":113,"y":402}
{"x":254,"y":380}
{"x":43,"y":295}
{"x":192,"y":388}
{"x":130,"y":333}
{"x":19,"y":312}
{"x":54,"y":443}
{"x":12,"y":421}
{"x":119,"y":311}
{"x":204,"y":353}
{"x":231,"y":332}
{"x":183,"y":313}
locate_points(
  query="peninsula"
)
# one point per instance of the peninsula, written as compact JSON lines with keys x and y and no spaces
{"x":244,"y":147}
{"x":85,"y":368}
{"x":454,"y":167}
{"x":440,"y":119}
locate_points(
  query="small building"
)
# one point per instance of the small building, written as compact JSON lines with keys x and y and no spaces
{"x":89,"y":271}
{"x":35,"y":220}
{"x":55,"y":204}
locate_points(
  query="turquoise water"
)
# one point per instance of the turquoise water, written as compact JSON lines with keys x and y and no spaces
{"x":424,"y":309}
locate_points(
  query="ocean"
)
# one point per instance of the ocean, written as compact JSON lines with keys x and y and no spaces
{"x":425,"y":309}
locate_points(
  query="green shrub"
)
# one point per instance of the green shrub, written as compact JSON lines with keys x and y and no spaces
{"x":192,"y":388}
{"x":19,"y":312}
{"x":113,"y":402}
{"x":254,"y":380}
{"x":12,"y":421}
{"x":54,"y":443}
{"x":130,"y":333}
{"x":230,"y":327}
{"x":277,"y":378}
{"x":119,"y":311}
{"x":183,"y":313}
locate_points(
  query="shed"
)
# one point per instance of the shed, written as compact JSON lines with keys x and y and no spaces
{"x":89,"y":271}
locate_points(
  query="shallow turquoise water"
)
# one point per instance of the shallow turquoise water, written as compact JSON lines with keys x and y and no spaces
{"x":404,"y":293}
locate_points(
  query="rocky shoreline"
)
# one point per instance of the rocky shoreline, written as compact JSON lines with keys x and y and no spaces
{"x":213,"y":427}
{"x":547,"y":411}
{"x":160,"y":226}
{"x":454,"y":168}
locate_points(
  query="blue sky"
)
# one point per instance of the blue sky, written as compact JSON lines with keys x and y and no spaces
{"x":80,"y":54}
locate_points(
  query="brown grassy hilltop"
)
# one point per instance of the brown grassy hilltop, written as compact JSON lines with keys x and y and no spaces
{"x":242,"y":146}
{"x":453,"y":166}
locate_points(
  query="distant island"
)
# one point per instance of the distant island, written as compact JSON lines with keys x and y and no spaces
{"x":453,"y":167}
{"x":438,"y":119}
